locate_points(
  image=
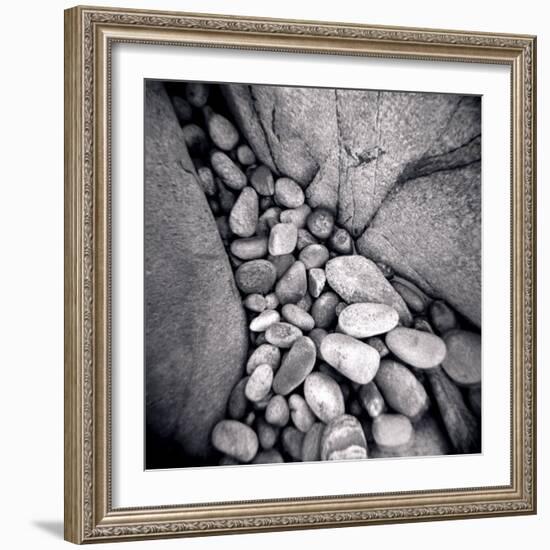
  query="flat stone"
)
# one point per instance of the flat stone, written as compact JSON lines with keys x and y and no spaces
{"x":288,"y":193}
{"x":416,"y":348}
{"x":227,"y":170}
{"x":367,"y":319}
{"x":282,"y":335}
{"x":324,"y":396}
{"x":243,"y":219}
{"x":282,"y":239}
{"x":463,"y":360}
{"x":255,"y":276}
{"x":296,"y":365}
{"x":235,"y":439}
{"x":358,"y":279}
{"x":292,"y":286}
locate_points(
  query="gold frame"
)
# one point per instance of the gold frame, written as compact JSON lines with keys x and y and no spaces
{"x":89,"y":35}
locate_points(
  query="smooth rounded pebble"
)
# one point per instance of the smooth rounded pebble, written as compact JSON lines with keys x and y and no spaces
{"x":298,"y":317}
{"x":340,"y":241}
{"x":271,"y":300}
{"x":367,"y":319}
{"x":282,"y":335}
{"x":195,"y":139}
{"x":206,"y":179}
{"x":305,"y":238}
{"x":296,"y":216}
{"x":292,"y":286}
{"x":255,"y":277}
{"x":401,"y":389}
{"x":235,"y":439}
{"x":267,"y":434}
{"x":352,"y":358}
{"x":282,"y":239}
{"x":268,"y":219}
{"x":316,"y":280}
{"x":250,"y":248}
{"x":378,"y":344}
{"x":442,"y":316}
{"x":300,"y":413}
{"x":259,"y":383}
{"x":264,"y":320}
{"x":225,"y":196}
{"x":255,"y":302}
{"x":321,"y":223}
{"x":343,"y":439}
{"x":295,"y":366}
{"x":324,"y":396}
{"x":272,"y":456}
{"x":416,"y":348}
{"x":288,"y":193}
{"x":237,"y":404}
{"x":277,"y":412}
{"x":196,"y":93}
{"x":292,"y":440}
{"x":244,"y":214}
{"x":264,"y":354}
{"x":392,"y":430}
{"x":245,"y":155}
{"x":314,"y":255}
{"x":305,"y":302}
{"x":372,"y":399}
{"x":323,"y":309}
{"x":227,"y":170}
{"x":463,"y":360}
{"x":413,"y":296}
{"x":311,"y":445}
{"x":261,"y":179}
{"x":222,"y":132}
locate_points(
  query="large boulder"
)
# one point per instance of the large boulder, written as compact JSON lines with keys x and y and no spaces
{"x":196,"y":338}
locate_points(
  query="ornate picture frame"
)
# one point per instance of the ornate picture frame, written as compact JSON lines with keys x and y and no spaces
{"x":90,"y":34}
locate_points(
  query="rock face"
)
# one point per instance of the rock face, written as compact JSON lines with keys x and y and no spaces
{"x":191,"y":295}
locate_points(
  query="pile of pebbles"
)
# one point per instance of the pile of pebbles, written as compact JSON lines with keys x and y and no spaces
{"x":346,"y":357}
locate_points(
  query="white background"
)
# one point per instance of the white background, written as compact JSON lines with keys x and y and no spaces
{"x":31,"y":114}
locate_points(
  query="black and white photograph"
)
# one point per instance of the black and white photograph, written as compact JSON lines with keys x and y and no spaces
{"x":313,"y":274}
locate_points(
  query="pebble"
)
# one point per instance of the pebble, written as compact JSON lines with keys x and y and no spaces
{"x":421,"y":323}
{"x":282,"y":263}
{"x":267,"y":434}
{"x":392,"y":430}
{"x":367,"y":319}
{"x":317,"y":335}
{"x":316,"y":280}
{"x":324,"y":396}
{"x":305,"y":303}
{"x":271,"y":300}
{"x":323,"y":309}
{"x":305,"y":238}
{"x":401,"y":389}
{"x":277,"y":412}
{"x":244,"y":214}
{"x":226,"y":197}
{"x":255,"y":277}
{"x":273,"y":456}
{"x":311,"y":445}
{"x":321,"y":223}
{"x":296,"y":216}
{"x":250,"y":418}
{"x":255,"y":302}
{"x":264,"y":320}
{"x":196,"y":93}
{"x":250,"y":248}
{"x":282,"y":239}
{"x":378,"y":344}
{"x":237,"y":404}
{"x":288,"y":193}
{"x":292,"y":440}
{"x":261,"y":179}
{"x":245,"y":155}
{"x":298,"y":317}
{"x":415,"y":299}
{"x":300,"y":413}
{"x":184,"y":111}
{"x":235,"y":439}
{"x":357,"y":279}
{"x":372,"y":399}
{"x":282,"y":335}
{"x":259,"y":383}
{"x":343,"y":439}
{"x":195,"y":139}
{"x":292,"y":286}
{"x":340,"y":241}
{"x":206,"y":179}
{"x":295,"y":366}
{"x":352,"y":358}
{"x":339,"y":308}
{"x":264,"y":354}
{"x":442,"y":316}
{"x":268,"y":219}
{"x":463,"y":360}
{"x":227,"y":170}
{"x":314,"y":255}
{"x":416,"y":348}
{"x":222,"y":132}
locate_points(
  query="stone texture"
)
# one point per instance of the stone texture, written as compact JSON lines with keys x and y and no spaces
{"x":191,"y":295}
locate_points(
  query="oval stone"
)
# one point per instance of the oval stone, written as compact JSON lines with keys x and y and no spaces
{"x":235,"y":439}
{"x":321,"y":223}
{"x":296,"y":216}
{"x":282,"y":239}
{"x":261,"y":179}
{"x":267,"y":434}
{"x":392,"y":430}
{"x":298,"y":317}
{"x":296,"y":365}
{"x":314,"y":255}
{"x":250,"y":248}
{"x":277,"y":411}
{"x":354,"y":359}
{"x":317,"y":335}
{"x":401,"y":389}
{"x":195,"y":139}
{"x":243,"y":218}
{"x":343,"y":438}
{"x":288,"y":193}
{"x":300,"y":413}
{"x":372,"y":399}
{"x":311,"y":446}
{"x":292,"y":440}
{"x":228,"y":171}
{"x":271,"y":300}
{"x":463,"y":360}
{"x":340,"y":241}
{"x":324,"y":396}
{"x":264,"y":354}
{"x":263,"y":321}
{"x":245,"y":155}
{"x":417,"y":348}
{"x":272,"y":456}
{"x":442,"y":316}
{"x":255,"y":302}
{"x":237,"y":404}
{"x":282,"y":335}
{"x":222,"y":132}
{"x":292,"y":286}
{"x":323,"y":309}
{"x":259,"y":383}
{"x":255,"y":277}
{"x":368,"y":319}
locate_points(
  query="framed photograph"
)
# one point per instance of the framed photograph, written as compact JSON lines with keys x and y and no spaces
{"x":300,"y":274}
